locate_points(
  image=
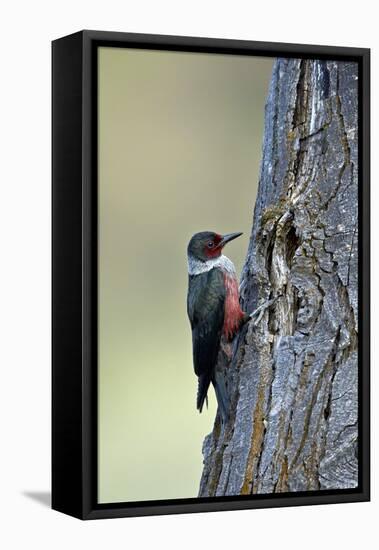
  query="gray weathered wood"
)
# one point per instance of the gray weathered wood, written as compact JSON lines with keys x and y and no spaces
{"x":293,"y":378}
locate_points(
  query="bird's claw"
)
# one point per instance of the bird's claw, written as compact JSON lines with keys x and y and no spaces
{"x":261,"y":309}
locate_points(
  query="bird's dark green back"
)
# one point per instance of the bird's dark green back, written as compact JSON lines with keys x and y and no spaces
{"x":205,"y":306}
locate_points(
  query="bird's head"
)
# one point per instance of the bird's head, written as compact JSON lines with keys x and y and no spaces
{"x":208,"y":245}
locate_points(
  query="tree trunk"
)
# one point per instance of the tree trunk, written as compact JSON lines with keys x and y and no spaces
{"x":293,"y":378}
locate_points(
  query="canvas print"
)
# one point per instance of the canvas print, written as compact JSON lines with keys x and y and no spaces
{"x":227,"y":275}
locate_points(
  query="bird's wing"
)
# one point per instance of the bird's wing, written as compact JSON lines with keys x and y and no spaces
{"x":206,"y":298}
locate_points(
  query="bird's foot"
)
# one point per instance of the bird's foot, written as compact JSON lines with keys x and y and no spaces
{"x":259,"y":312}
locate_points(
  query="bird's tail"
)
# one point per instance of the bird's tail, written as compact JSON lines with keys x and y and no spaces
{"x":202,"y":391}
{"x":218,"y":382}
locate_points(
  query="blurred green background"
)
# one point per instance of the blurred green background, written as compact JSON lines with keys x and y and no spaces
{"x":180,"y":139}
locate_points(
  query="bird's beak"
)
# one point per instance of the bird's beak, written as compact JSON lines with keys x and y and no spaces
{"x":229,"y":237}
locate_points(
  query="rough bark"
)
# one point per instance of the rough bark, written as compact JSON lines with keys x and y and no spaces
{"x":293,"y":378}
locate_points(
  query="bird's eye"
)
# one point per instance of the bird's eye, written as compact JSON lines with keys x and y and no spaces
{"x":210,"y":244}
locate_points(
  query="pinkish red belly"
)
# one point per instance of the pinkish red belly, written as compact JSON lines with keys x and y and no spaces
{"x":232,"y":310}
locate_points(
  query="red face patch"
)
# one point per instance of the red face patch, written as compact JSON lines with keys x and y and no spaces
{"x":212,"y":248}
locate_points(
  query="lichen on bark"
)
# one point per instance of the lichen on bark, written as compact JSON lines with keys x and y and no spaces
{"x":293,"y":379}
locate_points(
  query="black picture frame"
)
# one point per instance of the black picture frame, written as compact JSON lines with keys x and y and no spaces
{"x":74,"y":272}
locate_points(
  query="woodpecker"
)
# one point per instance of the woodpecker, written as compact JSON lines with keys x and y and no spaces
{"x":213,"y":309}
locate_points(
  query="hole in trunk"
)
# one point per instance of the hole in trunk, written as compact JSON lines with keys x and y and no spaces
{"x":292,"y":244}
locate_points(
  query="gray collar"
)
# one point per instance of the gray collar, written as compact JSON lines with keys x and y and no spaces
{"x":196,"y":267}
